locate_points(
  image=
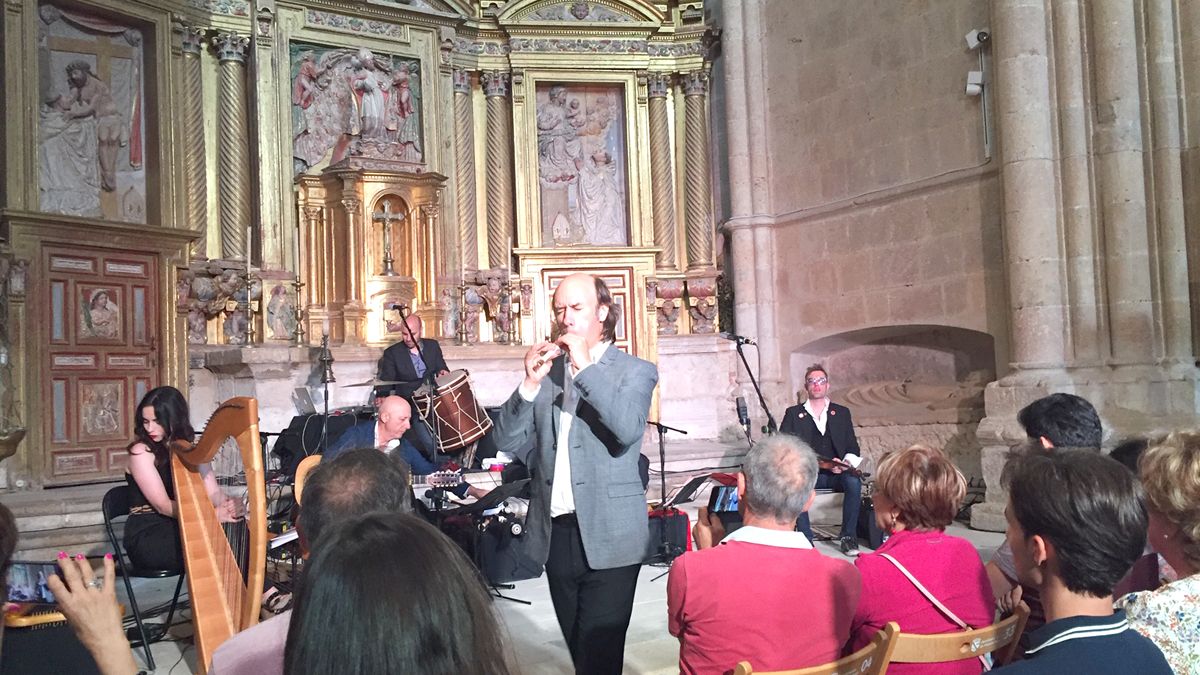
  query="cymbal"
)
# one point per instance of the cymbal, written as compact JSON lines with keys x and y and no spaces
{"x":374,"y":383}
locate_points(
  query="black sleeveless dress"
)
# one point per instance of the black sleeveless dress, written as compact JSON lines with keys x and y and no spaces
{"x":152,"y":539}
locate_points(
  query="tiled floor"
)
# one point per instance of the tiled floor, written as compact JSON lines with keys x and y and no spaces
{"x":537,"y":644}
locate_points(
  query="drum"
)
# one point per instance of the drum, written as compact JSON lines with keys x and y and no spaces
{"x":456,"y":417}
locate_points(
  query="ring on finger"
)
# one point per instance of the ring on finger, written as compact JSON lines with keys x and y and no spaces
{"x":95,"y":583}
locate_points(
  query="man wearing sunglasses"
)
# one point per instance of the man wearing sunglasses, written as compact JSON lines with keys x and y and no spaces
{"x":827,"y":428}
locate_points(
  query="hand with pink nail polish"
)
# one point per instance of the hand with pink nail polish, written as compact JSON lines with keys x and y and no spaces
{"x":90,"y":605}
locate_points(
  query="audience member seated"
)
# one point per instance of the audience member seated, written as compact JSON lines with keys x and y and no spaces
{"x":1170,"y":616}
{"x":1054,"y":421}
{"x":151,"y":532}
{"x":386,"y":433}
{"x":388,"y":593}
{"x":1147,"y":571}
{"x":764,"y":594}
{"x":1076,"y":523}
{"x":356,"y":482}
{"x":918,"y":491}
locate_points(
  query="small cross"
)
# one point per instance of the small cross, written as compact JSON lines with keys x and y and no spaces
{"x":388,"y":217}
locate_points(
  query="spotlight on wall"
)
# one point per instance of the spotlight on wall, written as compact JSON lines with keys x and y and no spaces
{"x":977,"y":37}
{"x":974,"y":83}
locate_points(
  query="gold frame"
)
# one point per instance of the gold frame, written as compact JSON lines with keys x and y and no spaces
{"x":637,"y":162}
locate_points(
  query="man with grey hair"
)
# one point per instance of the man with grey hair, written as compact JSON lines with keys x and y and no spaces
{"x":742,"y":600}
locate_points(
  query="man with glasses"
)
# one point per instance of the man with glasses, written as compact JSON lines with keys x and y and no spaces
{"x":828,"y":429}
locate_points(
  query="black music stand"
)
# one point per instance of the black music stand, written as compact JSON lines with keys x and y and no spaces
{"x":667,"y":552}
{"x":489,"y":501}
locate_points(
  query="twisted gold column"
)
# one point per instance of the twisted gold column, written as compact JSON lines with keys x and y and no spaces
{"x":500,"y":168}
{"x":233,"y":145}
{"x":195,"y":186}
{"x":464,"y":170}
{"x":662,"y":185}
{"x":699,"y":199}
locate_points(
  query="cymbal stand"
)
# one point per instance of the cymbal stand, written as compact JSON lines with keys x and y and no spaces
{"x":326,"y":360}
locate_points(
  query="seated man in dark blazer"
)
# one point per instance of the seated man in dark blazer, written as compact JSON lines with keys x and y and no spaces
{"x":402,"y":362}
{"x":827,"y":428}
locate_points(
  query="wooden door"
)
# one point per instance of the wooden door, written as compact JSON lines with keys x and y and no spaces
{"x":101,"y":358}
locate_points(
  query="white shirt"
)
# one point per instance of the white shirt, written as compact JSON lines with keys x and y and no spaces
{"x":823,"y":419}
{"x":761,"y":535}
{"x":562,"y":495}
{"x":385,"y":445}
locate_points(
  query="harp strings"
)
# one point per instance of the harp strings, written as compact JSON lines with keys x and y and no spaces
{"x":231,"y":477}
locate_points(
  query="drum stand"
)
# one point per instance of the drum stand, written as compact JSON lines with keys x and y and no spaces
{"x":430,"y":378}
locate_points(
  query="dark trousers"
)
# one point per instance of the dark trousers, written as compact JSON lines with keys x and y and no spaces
{"x":592,"y":606}
{"x":838,"y":482}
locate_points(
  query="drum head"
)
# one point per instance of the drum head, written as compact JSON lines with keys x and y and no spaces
{"x":451,"y":378}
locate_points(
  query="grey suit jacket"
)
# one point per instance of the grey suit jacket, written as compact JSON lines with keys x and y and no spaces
{"x":606,"y":438}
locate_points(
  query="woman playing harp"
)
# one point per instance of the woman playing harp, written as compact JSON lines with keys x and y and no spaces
{"x":152,"y":531}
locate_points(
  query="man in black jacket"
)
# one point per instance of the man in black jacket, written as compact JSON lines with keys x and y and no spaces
{"x":828,"y":429}
{"x":403,"y":363}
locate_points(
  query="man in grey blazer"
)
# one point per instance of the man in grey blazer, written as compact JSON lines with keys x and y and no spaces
{"x":583,"y":404}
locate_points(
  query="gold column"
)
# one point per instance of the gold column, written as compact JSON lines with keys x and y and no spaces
{"x":464,"y":169}
{"x":699,"y":199}
{"x":353,"y":206}
{"x":499,"y":168}
{"x":233,"y":145}
{"x":662,"y":183}
{"x":194,"y":179}
{"x":433,"y":253}
{"x":311,"y":238}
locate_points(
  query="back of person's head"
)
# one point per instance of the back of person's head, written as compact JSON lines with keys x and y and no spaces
{"x":355,"y":482}
{"x":1129,"y":451}
{"x":923,"y":485}
{"x":781,"y":472}
{"x":1170,"y":473}
{"x":1065,"y":420}
{"x":1085,"y":506}
{"x":8,"y":539}
{"x":389,"y":593}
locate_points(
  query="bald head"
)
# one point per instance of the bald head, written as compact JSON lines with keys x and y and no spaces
{"x":395,"y":417}
{"x":414,"y":325}
{"x":583,"y":306}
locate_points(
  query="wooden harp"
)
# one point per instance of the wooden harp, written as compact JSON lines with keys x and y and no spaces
{"x":225,"y":580}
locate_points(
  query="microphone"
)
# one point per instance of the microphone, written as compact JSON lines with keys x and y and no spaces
{"x":743,"y":414}
{"x":397,"y":306}
{"x":740,"y":339}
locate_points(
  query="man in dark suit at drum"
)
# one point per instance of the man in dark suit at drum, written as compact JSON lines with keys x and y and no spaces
{"x":404,"y":363}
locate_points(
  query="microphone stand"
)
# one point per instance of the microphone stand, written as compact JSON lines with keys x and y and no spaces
{"x":326,"y":360}
{"x":430,"y":378}
{"x":771,"y":426}
{"x":666,"y":552}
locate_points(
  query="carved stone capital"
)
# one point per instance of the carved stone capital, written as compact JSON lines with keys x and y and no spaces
{"x":462,"y":81}
{"x":431,"y":210}
{"x":264,"y":22}
{"x":231,"y":47}
{"x":352,"y":205}
{"x":495,"y":84}
{"x":658,"y":85}
{"x":312,"y":213}
{"x":193,"y":40}
{"x":695,"y":83}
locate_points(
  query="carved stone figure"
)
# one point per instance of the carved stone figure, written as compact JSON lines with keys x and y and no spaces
{"x":704,"y":315}
{"x":281,"y":313}
{"x":197,"y":324}
{"x":668,"y":316}
{"x":449,"y":313}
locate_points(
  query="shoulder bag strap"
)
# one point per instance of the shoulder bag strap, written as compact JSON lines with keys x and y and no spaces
{"x":936,"y":603}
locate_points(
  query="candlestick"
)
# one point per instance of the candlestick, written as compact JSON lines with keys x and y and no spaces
{"x":325,"y":327}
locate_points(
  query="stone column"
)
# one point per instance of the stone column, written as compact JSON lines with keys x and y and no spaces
{"x":195,"y":185}
{"x":464,"y":170}
{"x":699,"y":193}
{"x":661,"y":178}
{"x":499,"y":168}
{"x":1031,"y":227}
{"x":1088,"y":337}
{"x":1189,"y":39}
{"x":233,"y":145}
{"x":1122,"y":181}
{"x":1169,"y":214}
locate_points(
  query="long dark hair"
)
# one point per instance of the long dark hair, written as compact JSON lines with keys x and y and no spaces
{"x":171,"y":411}
{"x":389,"y":593}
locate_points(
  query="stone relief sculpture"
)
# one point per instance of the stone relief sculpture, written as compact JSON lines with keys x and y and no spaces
{"x":100,"y":313}
{"x":218,"y":289}
{"x":581,"y":164}
{"x":281,"y":313}
{"x":450,"y":318}
{"x":90,"y":152}
{"x":353,"y":102}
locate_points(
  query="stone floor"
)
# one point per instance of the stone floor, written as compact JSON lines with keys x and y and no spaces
{"x":536,"y":642}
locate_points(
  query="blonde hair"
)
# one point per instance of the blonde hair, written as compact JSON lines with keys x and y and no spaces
{"x":1170,"y":474}
{"x":925,"y":486}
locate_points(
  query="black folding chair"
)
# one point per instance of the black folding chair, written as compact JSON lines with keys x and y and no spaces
{"x":116,"y":505}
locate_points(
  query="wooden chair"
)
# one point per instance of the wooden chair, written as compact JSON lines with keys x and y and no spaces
{"x":870,"y":660}
{"x":1001,"y":637}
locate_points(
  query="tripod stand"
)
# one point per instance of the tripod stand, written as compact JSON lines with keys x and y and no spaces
{"x":667,"y":551}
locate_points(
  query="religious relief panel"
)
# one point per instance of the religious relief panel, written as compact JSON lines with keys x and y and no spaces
{"x":353,"y":102}
{"x":91,"y":141}
{"x":100,"y":314}
{"x":582,"y":161}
